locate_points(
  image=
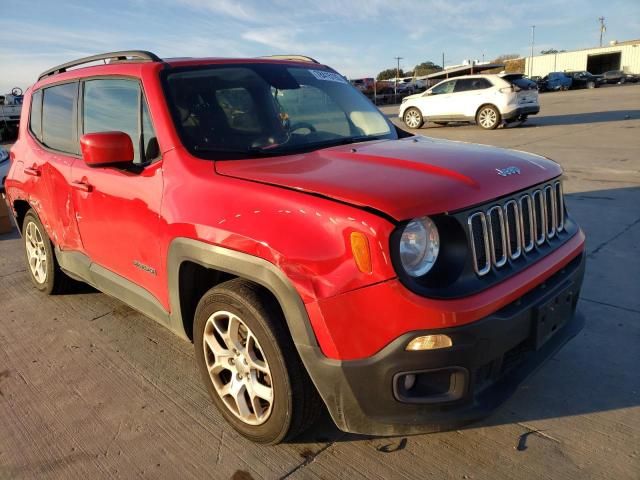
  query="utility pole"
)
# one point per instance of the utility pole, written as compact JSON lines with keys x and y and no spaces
{"x":395,"y":88}
{"x":533,"y":38}
{"x":603,"y":28}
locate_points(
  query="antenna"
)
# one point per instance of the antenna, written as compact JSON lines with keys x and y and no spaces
{"x":603,"y":28}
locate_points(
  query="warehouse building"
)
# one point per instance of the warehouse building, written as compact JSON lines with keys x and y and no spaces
{"x":616,"y":56}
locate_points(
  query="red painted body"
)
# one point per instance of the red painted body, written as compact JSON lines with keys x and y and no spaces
{"x":263,"y":207}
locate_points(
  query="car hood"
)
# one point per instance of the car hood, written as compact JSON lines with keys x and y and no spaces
{"x":402,"y":178}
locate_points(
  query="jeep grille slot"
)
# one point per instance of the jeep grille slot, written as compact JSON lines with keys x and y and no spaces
{"x":479,"y":243}
{"x":497,"y":236}
{"x":513,"y":225}
{"x":505,"y":231}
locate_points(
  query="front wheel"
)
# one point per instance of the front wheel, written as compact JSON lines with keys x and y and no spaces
{"x":413,"y":118}
{"x":488,"y":117}
{"x":250,"y":365}
{"x":591,"y":85}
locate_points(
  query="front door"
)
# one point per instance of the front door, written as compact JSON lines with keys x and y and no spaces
{"x":118,"y":209}
{"x":439,"y":102}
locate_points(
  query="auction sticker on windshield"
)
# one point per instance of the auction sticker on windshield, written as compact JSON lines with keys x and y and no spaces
{"x":328,"y":76}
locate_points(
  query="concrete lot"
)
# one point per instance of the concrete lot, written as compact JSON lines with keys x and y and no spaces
{"x":90,"y":388}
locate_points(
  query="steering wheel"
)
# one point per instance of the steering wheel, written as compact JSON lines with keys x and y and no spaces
{"x":298,"y":126}
{"x":16,"y":91}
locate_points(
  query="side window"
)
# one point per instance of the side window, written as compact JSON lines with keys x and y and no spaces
{"x":35,"y":116}
{"x":464,"y":85}
{"x":113,"y":105}
{"x":446,"y":87}
{"x":59,"y":117}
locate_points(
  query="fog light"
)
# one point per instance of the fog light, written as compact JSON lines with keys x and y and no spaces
{"x":429,"y":342}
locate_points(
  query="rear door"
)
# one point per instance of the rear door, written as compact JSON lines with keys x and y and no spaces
{"x":469,"y":94}
{"x":53,"y":125}
{"x":118,"y":209}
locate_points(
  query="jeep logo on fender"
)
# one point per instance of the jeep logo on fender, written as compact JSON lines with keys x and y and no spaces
{"x":505,"y":172}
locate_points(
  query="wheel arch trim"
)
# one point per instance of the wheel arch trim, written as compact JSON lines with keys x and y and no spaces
{"x":243,"y":265}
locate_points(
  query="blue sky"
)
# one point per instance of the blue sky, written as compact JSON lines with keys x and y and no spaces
{"x":357,"y":37}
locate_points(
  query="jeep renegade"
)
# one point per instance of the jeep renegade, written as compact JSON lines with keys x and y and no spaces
{"x":265,"y":210}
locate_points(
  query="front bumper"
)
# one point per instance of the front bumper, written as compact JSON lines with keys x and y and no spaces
{"x":527,"y":110}
{"x":488,"y":360}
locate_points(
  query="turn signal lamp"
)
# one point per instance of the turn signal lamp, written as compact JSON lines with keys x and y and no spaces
{"x":429,"y":342}
{"x":360,"y":250}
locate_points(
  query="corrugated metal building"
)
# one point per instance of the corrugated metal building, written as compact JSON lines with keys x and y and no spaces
{"x":616,"y":56}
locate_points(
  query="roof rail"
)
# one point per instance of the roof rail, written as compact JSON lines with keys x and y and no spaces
{"x":297,"y":58}
{"x":133,"y":55}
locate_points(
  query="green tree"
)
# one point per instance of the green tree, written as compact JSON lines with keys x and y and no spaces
{"x":389,"y":73}
{"x":425,"y":68}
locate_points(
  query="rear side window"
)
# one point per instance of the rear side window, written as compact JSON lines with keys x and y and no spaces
{"x":35,"y":116}
{"x":59,"y":117}
{"x":470,"y":84}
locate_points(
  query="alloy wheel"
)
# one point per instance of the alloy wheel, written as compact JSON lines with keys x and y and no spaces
{"x":412,"y":118}
{"x":487,"y":117}
{"x":238,"y":368}
{"x":36,"y":252}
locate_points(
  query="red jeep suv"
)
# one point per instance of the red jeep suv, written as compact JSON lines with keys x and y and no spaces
{"x":314,"y":253}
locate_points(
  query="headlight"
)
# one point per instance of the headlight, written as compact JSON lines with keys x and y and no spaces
{"x":419,"y":246}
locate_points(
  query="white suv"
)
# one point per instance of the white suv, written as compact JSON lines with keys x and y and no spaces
{"x":487,"y":100}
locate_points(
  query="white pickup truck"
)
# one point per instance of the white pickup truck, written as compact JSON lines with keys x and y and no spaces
{"x":10,"y":107}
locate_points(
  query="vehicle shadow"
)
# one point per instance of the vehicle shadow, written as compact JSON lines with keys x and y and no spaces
{"x":540,"y":121}
{"x":582,"y":118}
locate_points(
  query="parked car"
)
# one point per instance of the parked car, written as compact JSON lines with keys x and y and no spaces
{"x":487,"y":100}
{"x":312,"y":251}
{"x":584,"y":79}
{"x":10,"y":106}
{"x":618,"y":76}
{"x":365,"y":85}
{"x":555,"y":81}
{"x":4,"y":167}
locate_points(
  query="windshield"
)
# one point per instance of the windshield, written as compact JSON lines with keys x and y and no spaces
{"x":263,"y":108}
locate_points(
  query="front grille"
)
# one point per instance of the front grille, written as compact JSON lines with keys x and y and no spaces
{"x":506,"y":230}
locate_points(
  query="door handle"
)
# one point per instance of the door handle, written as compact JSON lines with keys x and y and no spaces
{"x":34,"y":172}
{"x":82,"y":186}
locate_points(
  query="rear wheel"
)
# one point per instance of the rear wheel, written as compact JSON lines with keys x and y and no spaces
{"x":413,"y":118}
{"x":250,"y":365}
{"x":42,"y":265}
{"x":488,"y":117}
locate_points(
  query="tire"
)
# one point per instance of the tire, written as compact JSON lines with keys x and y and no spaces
{"x":591,"y":85}
{"x":488,"y":117}
{"x":413,"y":118}
{"x":42,"y":265}
{"x":256,"y":358}
{"x":622,"y":80}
